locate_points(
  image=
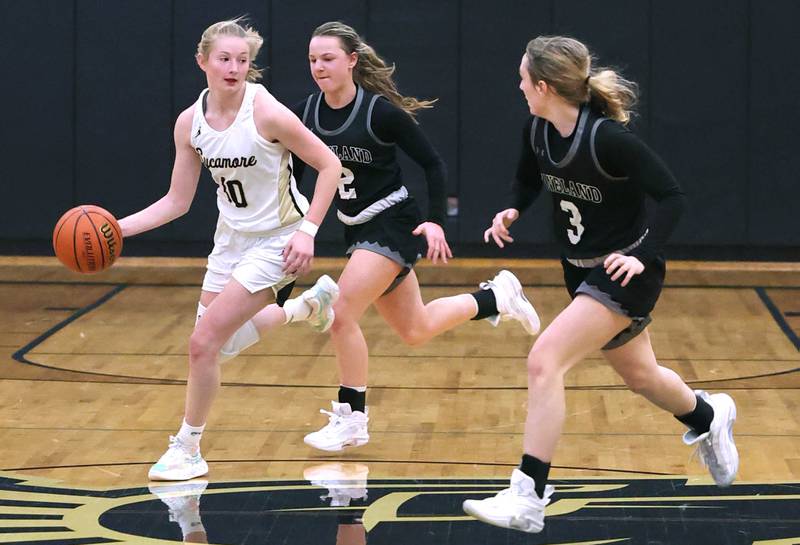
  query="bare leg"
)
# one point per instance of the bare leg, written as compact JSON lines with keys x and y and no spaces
{"x":365,"y":277}
{"x":636,"y":363}
{"x":580,"y":329}
{"x":226,"y":313}
{"x":416,"y":322}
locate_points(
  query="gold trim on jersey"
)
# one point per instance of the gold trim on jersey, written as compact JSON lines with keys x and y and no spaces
{"x":287,"y":207}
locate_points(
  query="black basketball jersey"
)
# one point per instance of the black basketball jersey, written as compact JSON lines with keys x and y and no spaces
{"x":594,"y":213}
{"x":370,"y":170}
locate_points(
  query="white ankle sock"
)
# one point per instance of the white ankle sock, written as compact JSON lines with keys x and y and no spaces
{"x":296,"y":310}
{"x":190,"y":435}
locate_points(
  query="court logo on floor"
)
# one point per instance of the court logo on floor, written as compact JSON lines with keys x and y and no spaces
{"x":352,"y":511}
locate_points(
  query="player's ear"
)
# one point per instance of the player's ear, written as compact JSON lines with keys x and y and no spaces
{"x":201,"y":62}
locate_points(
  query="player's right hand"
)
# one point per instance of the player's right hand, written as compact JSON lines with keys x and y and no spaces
{"x":500,"y":224}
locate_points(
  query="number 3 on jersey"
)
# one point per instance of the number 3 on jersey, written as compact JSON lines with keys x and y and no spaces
{"x":574,"y":220}
{"x":347,"y":179}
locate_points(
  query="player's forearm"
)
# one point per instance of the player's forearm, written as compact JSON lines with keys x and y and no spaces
{"x":324,"y":190}
{"x":157,"y":214}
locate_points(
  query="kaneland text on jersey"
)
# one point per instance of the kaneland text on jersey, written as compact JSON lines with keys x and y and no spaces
{"x":573,"y":189}
{"x":353,"y":154}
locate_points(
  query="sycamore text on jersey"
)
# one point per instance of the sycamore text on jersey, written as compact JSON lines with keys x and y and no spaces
{"x":226,"y":162}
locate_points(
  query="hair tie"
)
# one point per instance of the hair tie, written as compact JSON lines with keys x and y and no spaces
{"x":587,"y":79}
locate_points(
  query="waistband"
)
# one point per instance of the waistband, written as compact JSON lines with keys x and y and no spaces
{"x":591,"y":262}
{"x":396,"y":196}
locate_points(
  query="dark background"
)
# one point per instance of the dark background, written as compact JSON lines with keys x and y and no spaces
{"x":91,"y":89}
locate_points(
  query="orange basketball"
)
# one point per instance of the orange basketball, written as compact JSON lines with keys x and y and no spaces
{"x":87,"y":239}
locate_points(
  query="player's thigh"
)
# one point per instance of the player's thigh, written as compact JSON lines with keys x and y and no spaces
{"x":366,"y":276}
{"x":402,"y":308}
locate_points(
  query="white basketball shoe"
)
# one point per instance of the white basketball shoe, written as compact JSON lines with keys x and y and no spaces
{"x":345,"y":428}
{"x":179,"y":463}
{"x":517,"y":507}
{"x":321,"y":297}
{"x":511,"y":302}
{"x":716,"y":448}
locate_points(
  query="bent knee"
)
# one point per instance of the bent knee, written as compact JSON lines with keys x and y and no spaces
{"x":639,"y":383}
{"x":201,"y":346}
{"x":542,"y":364}
{"x":414,"y":336}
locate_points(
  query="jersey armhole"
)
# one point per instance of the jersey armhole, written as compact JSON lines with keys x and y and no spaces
{"x":369,"y":122}
{"x":307,"y":108}
{"x":593,"y":150}
{"x":534,"y":124}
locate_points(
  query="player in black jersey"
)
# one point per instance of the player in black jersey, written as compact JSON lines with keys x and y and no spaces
{"x":362,"y":117}
{"x":598,"y":173}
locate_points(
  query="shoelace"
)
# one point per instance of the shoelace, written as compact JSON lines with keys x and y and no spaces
{"x":704,"y":452}
{"x":333,"y":418}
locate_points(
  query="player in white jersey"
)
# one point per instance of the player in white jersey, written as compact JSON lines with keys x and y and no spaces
{"x":265,"y":233}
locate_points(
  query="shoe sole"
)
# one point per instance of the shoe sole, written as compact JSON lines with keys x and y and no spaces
{"x":531,"y":323}
{"x":529,"y":528}
{"x":731,"y":418}
{"x":336,"y":448}
{"x":166,"y":476}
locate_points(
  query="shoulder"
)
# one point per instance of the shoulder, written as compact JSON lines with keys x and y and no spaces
{"x":383,"y":109}
{"x":183,"y":125}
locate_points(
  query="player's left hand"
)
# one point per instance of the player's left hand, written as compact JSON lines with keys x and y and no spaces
{"x":437,"y":243}
{"x":617,"y":264}
{"x":298,"y":254}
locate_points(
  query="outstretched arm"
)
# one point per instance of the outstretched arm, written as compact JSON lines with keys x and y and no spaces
{"x":185,"y":174}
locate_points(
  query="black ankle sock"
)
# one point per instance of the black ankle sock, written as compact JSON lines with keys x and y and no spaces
{"x":538,"y":470}
{"x":700,"y":418}
{"x":487,"y":304}
{"x":356,"y":399}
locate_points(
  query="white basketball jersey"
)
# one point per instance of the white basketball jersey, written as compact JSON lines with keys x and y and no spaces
{"x":256,"y":190}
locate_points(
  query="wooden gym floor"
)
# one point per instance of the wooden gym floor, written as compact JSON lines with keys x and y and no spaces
{"x":92,"y":373}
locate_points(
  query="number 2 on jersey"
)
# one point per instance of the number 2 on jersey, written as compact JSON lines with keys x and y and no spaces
{"x":347,"y":179}
{"x":574,"y":220}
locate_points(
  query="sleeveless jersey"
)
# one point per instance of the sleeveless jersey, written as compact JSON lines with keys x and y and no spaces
{"x":256,"y":190}
{"x":370,"y":170}
{"x":594,"y":213}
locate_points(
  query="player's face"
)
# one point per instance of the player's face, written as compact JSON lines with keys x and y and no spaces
{"x":532,"y":93}
{"x":331,"y":67}
{"x":227,"y":63}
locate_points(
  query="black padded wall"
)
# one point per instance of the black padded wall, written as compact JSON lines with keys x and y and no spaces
{"x":90,"y":119}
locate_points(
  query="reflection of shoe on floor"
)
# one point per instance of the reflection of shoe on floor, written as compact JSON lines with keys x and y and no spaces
{"x":511,"y":302}
{"x":517,"y":507}
{"x":345,"y":428}
{"x":345,"y":481}
{"x":183,"y":501}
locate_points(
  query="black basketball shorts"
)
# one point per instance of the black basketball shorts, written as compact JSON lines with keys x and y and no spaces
{"x":636,"y":300}
{"x":389,"y":234}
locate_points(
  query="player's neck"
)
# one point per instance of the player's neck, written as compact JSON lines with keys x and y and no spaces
{"x":225,"y":102}
{"x":564,"y":117}
{"x":339,"y":98}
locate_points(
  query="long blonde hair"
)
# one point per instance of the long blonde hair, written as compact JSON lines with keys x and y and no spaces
{"x":565,"y":64}
{"x":371,"y":71}
{"x":234,"y":27}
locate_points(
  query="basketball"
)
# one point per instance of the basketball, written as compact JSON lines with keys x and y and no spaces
{"x":87,"y":239}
